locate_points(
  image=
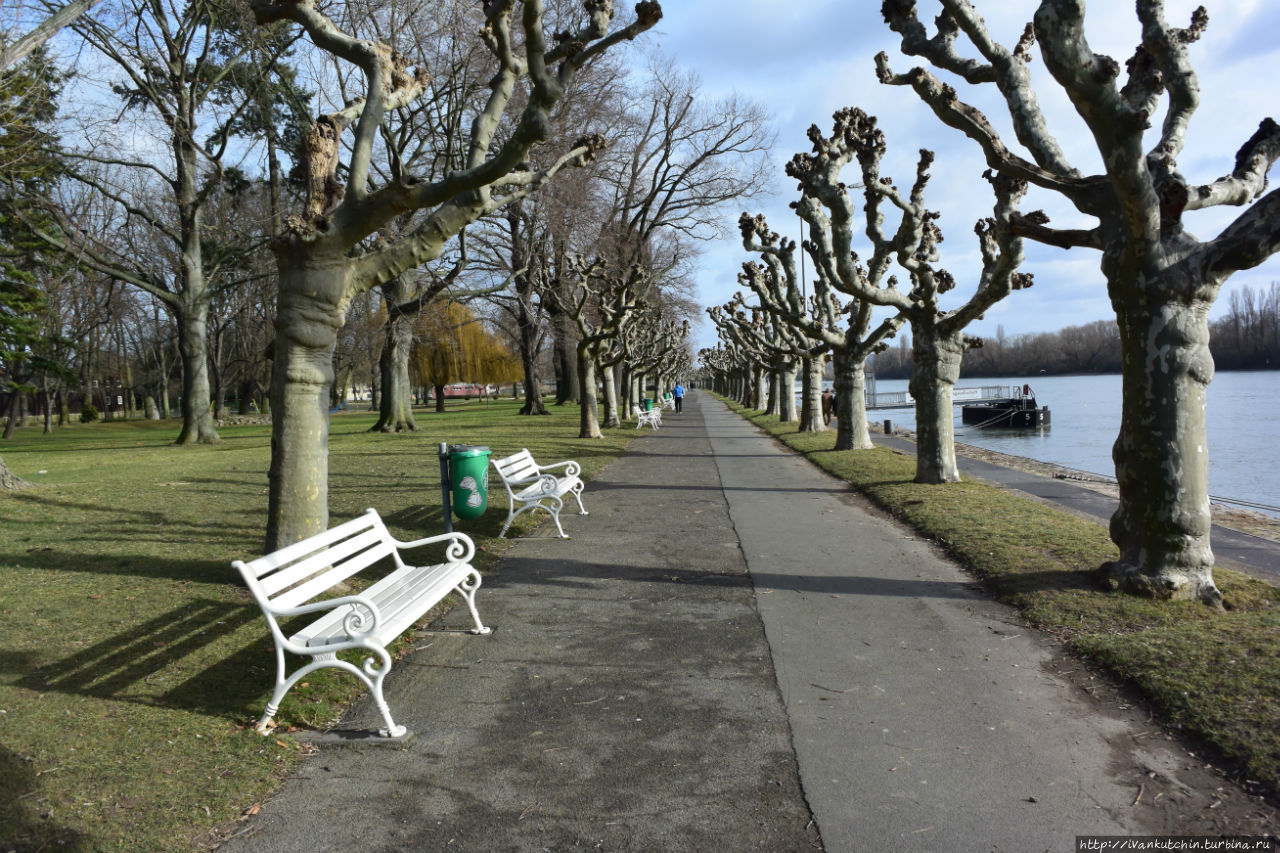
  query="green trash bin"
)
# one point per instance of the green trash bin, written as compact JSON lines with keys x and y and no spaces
{"x":469,"y":474}
{"x":648,"y":403}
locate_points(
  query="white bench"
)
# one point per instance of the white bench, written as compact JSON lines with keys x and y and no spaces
{"x":532,"y":486}
{"x":291,"y":582}
{"x":652,"y":417}
{"x":669,"y":402}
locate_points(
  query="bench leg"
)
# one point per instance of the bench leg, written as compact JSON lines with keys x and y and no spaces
{"x":577,"y":494}
{"x":467,"y":589}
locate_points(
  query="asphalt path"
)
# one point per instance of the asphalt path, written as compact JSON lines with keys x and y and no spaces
{"x":732,"y":653}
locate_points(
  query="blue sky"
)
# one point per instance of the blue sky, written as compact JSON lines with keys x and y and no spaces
{"x":805,"y":59}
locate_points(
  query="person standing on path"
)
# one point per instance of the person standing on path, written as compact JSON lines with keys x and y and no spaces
{"x":678,"y":393}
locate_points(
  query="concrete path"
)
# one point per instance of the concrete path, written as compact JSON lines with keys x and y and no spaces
{"x":732,"y":653}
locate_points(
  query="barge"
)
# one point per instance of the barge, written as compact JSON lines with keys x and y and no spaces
{"x":1017,"y":412}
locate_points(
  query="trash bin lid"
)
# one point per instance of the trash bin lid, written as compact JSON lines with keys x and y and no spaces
{"x":468,"y":450}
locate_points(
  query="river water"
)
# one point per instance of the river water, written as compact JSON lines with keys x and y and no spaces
{"x":1244,"y":433}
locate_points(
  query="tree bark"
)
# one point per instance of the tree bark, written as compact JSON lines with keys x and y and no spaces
{"x":850,"y":383}
{"x":395,"y":403}
{"x":811,"y":411}
{"x":937,"y":368}
{"x":610,"y":414}
{"x":311,"y":312}
{"x":1161,"y":455}
{"x":588,"y":419}
{"x":9,"y":481}
{"x":193,"y":338}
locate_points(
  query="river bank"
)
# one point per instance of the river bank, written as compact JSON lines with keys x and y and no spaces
{"x":1254,"y":523}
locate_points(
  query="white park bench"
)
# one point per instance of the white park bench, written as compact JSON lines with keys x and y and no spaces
{"x":532,"y":486}
{"x":669,"y":402}
{"x":652,"y":417}
{"x":292,"y":582}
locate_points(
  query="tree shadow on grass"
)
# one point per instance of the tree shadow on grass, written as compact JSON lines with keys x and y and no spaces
{"x":120,"y":667}
{"x":127,"y":565}
{"x":21,"y":825}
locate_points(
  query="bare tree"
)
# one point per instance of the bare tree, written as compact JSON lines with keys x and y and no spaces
{"x":850,"y":341}
{"x":937,"y":336}
{"x":321,"y":265}
{"x":1162,"y":281}
{"x":48,"y":22}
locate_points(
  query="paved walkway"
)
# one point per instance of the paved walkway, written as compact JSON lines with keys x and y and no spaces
{"x":730,"y":654}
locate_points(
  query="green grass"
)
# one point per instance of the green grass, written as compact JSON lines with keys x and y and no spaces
{"x":132,"y":663}
{"x":1214,"y":675}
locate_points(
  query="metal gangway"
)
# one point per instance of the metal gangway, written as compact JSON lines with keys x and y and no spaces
{"x":959,"y":396}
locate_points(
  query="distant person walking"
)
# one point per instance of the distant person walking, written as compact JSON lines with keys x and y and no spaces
{"x":678,"y":393}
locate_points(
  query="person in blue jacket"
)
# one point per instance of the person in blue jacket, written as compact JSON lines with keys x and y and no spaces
{"x":678,"y":393}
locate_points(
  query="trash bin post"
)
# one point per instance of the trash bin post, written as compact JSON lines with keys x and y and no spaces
{"x":444,"y":487}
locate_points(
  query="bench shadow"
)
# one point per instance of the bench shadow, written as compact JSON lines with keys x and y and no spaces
{"x":114,"y":667}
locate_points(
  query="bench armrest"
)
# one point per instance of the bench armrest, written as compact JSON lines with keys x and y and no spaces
{"x":459,"y":550}
{"x":571,"y":468}
{"x":355,"y":623}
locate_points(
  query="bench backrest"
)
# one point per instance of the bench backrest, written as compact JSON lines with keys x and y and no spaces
{"x":516,"y":468}
{"x":298,"y":573}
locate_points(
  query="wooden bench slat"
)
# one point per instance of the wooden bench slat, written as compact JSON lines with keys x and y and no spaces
{"x":304,"y":592}
{"x":270,"y":562}
{"x":324,"y":554}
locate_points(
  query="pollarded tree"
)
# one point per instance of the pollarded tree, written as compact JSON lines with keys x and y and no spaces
{"x":850,"y":341}
{"x":602,"y":303}
{"x":937,"y":336}
{"x":1161,"y":280}
{"x":777,"y":287}
{"x":320,"y":263}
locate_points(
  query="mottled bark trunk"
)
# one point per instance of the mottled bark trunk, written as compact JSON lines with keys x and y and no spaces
{"x":1162,"y":455}
{"x":395,"y":404}
{"x":811,"y":411}
{"x":311,"y":311}
{"x":850,"y":384}
{"x":787,"y":393}
{"x":937,"y":368}
{"x":193,"y":346}
{"x":10,"y":481}
{"x":588,"y":420}
{"x":760,"y":388}
{"x":609,"y":417}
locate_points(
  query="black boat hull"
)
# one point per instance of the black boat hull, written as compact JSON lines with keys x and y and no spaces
{"x":1005,"y":414}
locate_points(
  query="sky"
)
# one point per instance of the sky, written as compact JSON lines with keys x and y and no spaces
{"x":805,"y":59}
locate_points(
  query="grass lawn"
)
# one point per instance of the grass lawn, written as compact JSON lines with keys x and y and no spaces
{"x":132,"y":663}
{"x":1214,"y":675}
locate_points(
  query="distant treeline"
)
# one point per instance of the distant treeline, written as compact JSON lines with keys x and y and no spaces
{"x":1247,"y":338}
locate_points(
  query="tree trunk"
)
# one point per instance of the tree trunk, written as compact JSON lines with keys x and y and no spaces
{"x":850,"y":384}
{"x":15,"y":403}
{"x":566,"y":360}
{"x":395,"y":406}
{"x":787,"y":392}
{"x":9,"y":481}
{"x":193,"y":339}
{"x":811,"y":411}
{"x":311,"y":312}
{"x":937,"y":368}
{"x":610,"y":414}
{"x":1161,"y":455}
{"x":533,"y":404}
{"x":588,"y":419}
